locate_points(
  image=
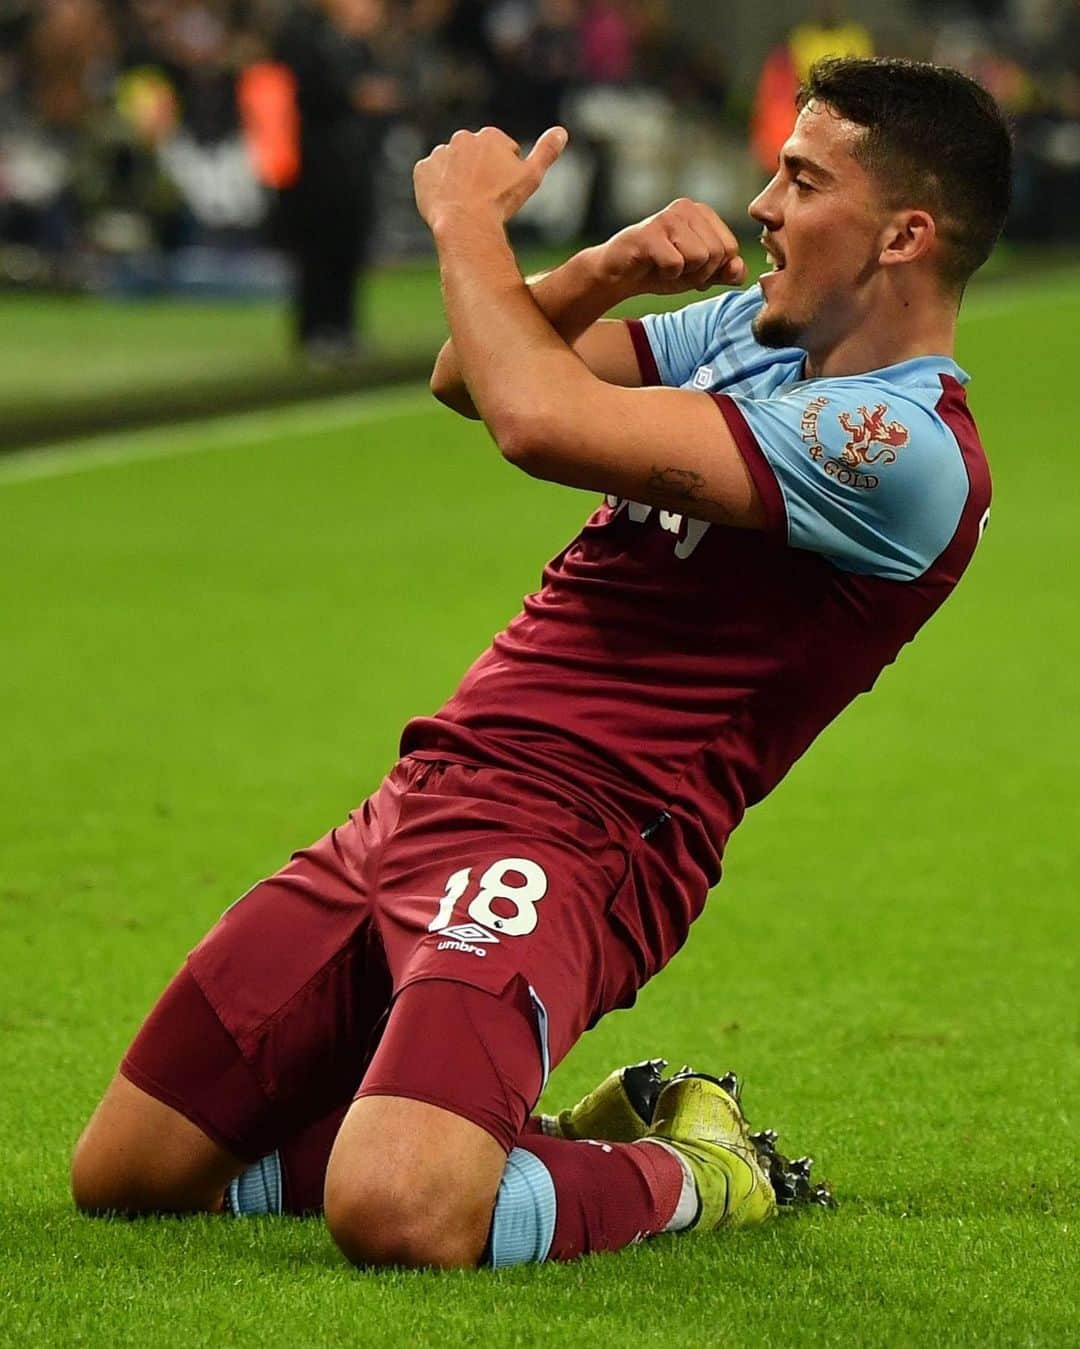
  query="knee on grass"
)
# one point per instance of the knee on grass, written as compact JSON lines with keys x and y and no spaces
{"x":100,"y":1188}
{"x":137,"y":1155}
{"x":104,"y":1183}
{"x":409,"y":1219}
{"x":411,"y":1184}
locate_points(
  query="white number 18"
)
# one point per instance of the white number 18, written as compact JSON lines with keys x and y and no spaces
{"x":496,"y":883}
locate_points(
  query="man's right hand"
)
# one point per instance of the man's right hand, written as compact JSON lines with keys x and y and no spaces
{"x":686,"y":246}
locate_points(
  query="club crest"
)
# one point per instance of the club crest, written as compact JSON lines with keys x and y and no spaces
{"x":869,"y":429}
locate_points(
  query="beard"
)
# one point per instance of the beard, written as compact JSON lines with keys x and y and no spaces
{"x":776,"y":330}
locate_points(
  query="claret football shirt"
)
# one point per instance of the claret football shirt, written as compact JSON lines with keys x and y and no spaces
{"x":672,"y":670}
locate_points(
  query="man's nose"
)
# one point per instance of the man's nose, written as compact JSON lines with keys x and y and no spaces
{"x":765,"y":208}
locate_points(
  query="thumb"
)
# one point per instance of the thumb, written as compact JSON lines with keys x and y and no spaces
{"x":547,"y":149}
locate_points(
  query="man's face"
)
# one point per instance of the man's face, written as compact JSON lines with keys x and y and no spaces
{"x":822,"y":224}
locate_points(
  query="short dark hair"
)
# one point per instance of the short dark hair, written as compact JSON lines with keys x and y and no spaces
{"x":934,"y":139}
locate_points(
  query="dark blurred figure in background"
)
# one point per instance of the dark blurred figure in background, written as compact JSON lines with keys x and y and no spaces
{"x":344,"y":99}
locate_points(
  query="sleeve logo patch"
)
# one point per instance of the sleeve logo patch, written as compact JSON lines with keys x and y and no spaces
{"x":868,"y":430}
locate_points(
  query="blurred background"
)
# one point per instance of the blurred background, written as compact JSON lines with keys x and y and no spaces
{"x":206,"y":204}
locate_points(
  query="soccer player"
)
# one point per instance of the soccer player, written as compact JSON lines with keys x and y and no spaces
{"x":793,"y":485}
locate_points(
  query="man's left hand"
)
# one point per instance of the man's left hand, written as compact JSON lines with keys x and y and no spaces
{"x":482,"y":173}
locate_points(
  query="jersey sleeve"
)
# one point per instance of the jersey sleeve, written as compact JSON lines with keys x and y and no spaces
{"x":670,"y":346}
{"x":860,"y":473}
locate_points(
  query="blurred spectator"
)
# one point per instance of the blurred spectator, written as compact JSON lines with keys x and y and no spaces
{"x":692,"y":69}
{"x":446,"y":79}
{"x":536,"y":55}
{"x":70,"y":52}
{"x":343,"y":97}
{"x":131,"y":204}
{"x":145,"y":143}
{"x":1030,"y":65}
{"x":553,"y":59}
{"x":266,"y":94}
{"x":607,"y":42}
{"x":827,"y":33}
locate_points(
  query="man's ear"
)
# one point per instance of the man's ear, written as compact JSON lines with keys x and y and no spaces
{"x":910,"y":236}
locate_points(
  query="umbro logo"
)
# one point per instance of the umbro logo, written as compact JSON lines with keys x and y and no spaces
{"x":703,"y":377}
{"x":469,"y":932}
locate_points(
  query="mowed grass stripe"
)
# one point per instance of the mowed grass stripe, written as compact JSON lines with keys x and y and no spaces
{"x":217,"y":433}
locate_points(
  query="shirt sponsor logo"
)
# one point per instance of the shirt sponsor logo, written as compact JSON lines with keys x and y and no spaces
{"x":688,"y":531}
{"x":849,"y":477}
{"x":872,"y":430}
{"x":867,"y":428}
{"x":808,"y":428}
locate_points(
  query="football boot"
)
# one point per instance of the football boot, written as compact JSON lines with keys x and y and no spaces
{"x":790,"y":1179}
{"x":741,"y":1178}
{"x":619,"y":1110}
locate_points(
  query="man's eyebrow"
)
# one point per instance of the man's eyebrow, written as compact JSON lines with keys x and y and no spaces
{"x":800,"y":164}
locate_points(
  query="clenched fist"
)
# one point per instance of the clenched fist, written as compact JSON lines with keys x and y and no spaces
{"x":686,"y":246}
{"x":482,"y":171}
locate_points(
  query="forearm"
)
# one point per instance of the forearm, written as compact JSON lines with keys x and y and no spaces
{"x":571,"y":298}
{"x":514,"y":360}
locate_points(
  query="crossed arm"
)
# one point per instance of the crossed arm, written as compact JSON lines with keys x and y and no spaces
{"x":556,"y":384}
{"x":574,"y":299}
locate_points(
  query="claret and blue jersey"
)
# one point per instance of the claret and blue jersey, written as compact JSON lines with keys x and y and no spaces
{"x":866,"y":470}
{"x":673,"y":669}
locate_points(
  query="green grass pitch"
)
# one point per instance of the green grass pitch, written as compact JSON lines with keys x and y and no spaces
{"x":211,"y":638}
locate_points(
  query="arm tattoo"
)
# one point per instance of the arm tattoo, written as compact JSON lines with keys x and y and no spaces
{"x":679,"y":485}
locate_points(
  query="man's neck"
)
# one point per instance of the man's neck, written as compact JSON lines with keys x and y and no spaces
{"x":887,"y":335}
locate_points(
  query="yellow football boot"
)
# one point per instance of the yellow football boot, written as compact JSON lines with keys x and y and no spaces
{"x":700,"y":1119}
{"x":740,"y":1176}
{"x":619,"y":1110}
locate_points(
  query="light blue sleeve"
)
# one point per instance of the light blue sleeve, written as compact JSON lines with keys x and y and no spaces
{"x":682,"y":338}
{"x":857,"y":471}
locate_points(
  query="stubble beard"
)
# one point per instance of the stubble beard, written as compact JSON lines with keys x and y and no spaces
{"x":776,"y":330}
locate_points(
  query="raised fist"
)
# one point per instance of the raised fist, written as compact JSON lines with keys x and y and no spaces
{"x":686,"y":246}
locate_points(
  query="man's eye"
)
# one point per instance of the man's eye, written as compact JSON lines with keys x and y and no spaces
{"x":803,"y":185}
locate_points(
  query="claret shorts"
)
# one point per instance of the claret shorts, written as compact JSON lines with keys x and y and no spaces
{"x":450,"y":942}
